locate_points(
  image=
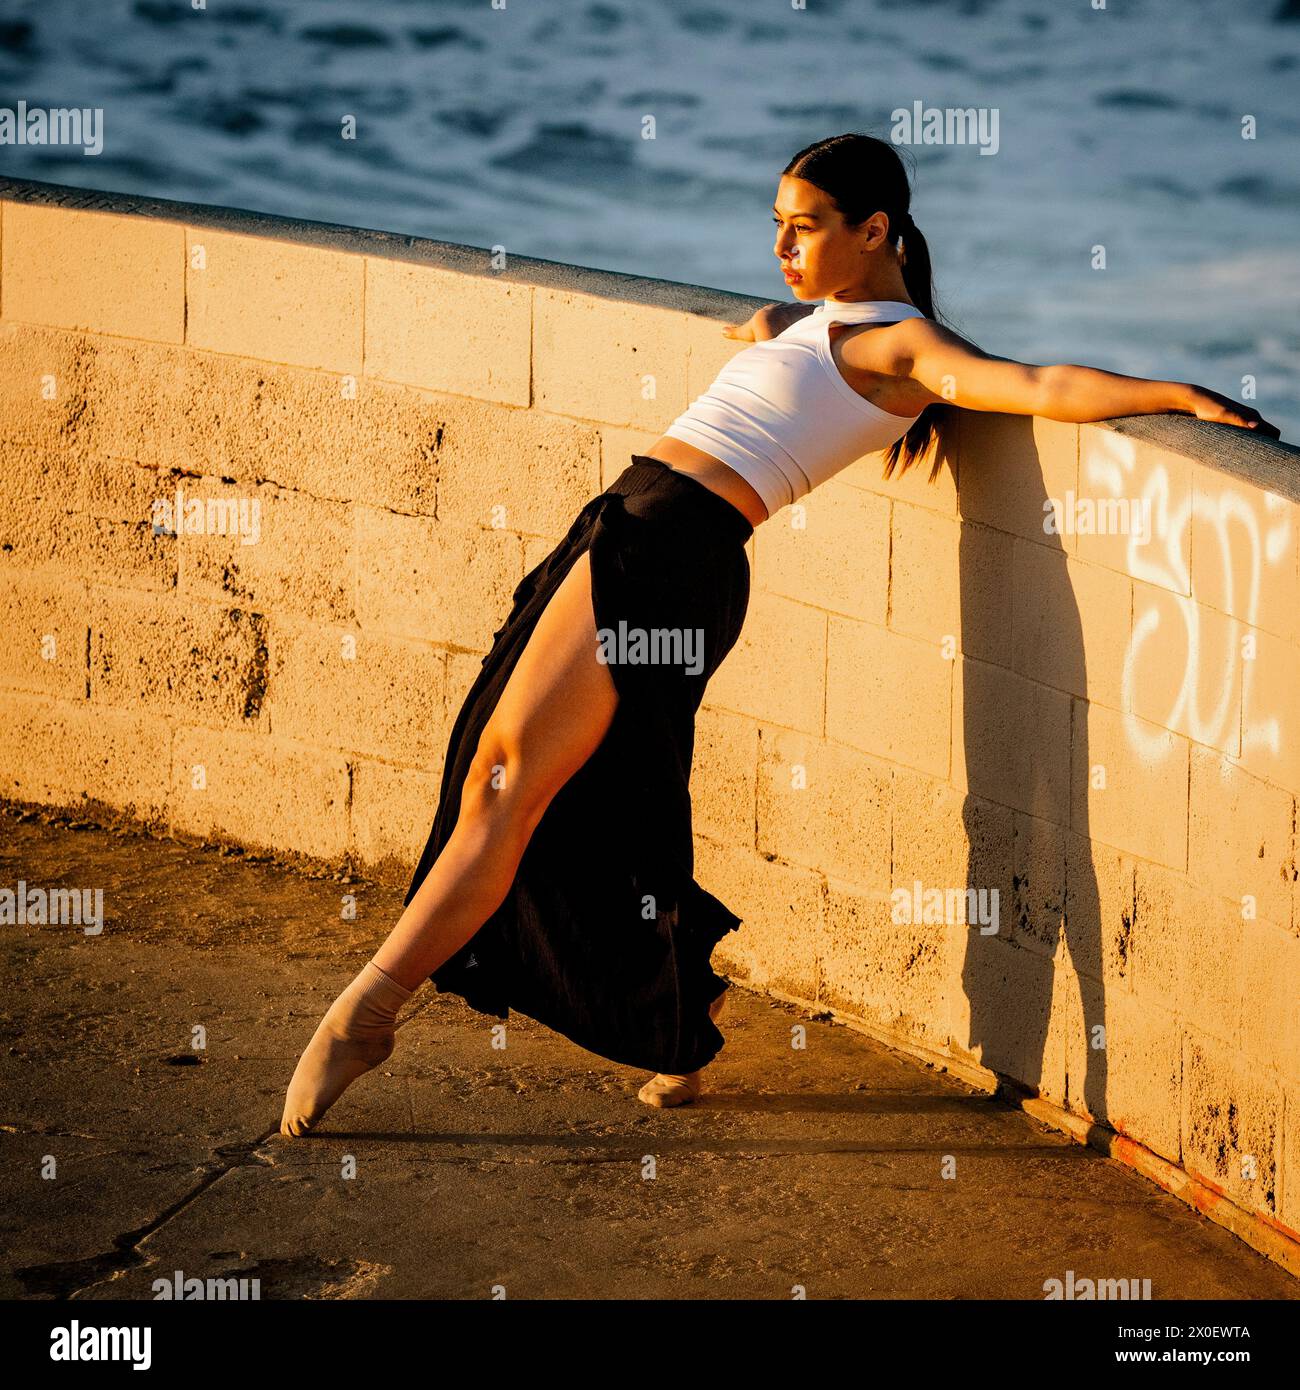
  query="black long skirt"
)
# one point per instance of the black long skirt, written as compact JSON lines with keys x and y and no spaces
{"x":605,"y":936}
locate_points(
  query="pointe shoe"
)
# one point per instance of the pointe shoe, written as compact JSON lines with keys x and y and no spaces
{"x":355,"y":1036}
{"x":668,"y":1089}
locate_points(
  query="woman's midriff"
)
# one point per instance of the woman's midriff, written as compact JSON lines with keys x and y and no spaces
{"x":712,"y":472}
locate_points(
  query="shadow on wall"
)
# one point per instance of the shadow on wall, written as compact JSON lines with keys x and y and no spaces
{"x":1040,"y":761}
{"x":1183,"y":680}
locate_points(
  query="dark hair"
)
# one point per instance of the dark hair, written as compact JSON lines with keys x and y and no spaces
{"x":863,"y":175}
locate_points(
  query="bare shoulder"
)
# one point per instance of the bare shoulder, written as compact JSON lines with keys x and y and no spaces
{"x":890,"y":349}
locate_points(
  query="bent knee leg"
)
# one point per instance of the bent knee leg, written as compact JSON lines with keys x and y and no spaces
{"x":553,"y":714}
{"x":496,"y":794}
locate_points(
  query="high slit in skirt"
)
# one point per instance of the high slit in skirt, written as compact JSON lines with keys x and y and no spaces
{"x":605,"y":936}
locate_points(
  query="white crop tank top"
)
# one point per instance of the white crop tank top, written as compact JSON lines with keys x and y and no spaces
{"x":781,"y":414}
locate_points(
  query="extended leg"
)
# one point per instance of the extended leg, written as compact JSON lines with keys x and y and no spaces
{"x":552,"y":715}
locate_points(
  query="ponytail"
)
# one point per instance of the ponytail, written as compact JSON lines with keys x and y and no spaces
{"x":928,"y":425}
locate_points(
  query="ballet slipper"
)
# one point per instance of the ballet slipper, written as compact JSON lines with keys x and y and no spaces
{"x":668,"y":1089}
{"x":356,"y":1034}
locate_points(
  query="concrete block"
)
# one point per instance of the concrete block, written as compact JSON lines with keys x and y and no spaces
{"x":951,"y":581}
{"x":1240,"y":836}
{"x":776,"y":672}
{"x":914,"y":486}
{"x":1270,"y":991}
{"x":255,"y":297}
{"x":723,"y":777}
{"x":889,"y":695}
{"x":1035,"y":911}
{"x":535,"y":550}
{"x":707,"y":352}
{"x":1245,"y":552}
{"x":548,"y":470}
{"x":119,"y":489}
{"x":594,"y":359}
{"x":1010,"y":1015}
{"x":41,"y":534}
{"x":1187,"y":951}
{"x":1128,"y":782}
{"x":266,"y":548}
{"x":1133,"y":1083}
{"x":1290,"y":1164}
{"x":825,"y":807}
{"x":780,"y":905}
{"x":35,"y":476}
{"x":56,"y":753}
{"x":881,"y":969}
{"x":1270,"y":709}
{"x":945,"y":839}
{"x":254,"y":422}
{"x":1069,"y":626}
{"x":1184,"y":668}
{"x":1010,"y":466}
{"x":124,"y":554}
{"x":448,"y":332}
{"x":1139,"y":499}
{"x":129,"y":277}
{"x":830,"y":550}
{"x":260,"y":792}
{"x":392,"y":812}
{"x":40,"y":537}
{"x":617,"y":446}
{"x":433,"y":580}
{"x":1081,"y":1002}
{"x":1232,"y":1125}
{"x":44,"y":376}
{"x":463,"y":669}
{"x":335,"y":688}
{"x":44,"y":622}
{"x":1011,"y":740}
{"x":182,"y":661}
{"x":1100,"y":910}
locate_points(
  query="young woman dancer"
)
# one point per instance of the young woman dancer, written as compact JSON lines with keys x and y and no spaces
{"x":558,"y":877}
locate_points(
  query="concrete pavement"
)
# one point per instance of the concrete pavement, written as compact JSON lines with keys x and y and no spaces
{"x":456,"y":1168}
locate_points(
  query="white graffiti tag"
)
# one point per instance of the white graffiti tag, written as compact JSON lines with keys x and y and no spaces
{"x":1203,"y":708}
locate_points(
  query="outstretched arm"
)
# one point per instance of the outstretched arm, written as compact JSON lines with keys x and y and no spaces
{"x":957,"y":372}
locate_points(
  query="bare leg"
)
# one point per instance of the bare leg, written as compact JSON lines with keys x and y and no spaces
{"x":552,"y":715}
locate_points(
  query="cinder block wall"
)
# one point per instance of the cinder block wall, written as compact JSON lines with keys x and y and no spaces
{"x":932,"y":690}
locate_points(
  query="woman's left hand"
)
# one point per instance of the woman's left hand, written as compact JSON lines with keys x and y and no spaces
{"x":767,"y":322}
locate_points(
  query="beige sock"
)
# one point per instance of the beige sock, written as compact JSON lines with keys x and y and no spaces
{"x":677,"y":1088}
{"x":355,"y":1035}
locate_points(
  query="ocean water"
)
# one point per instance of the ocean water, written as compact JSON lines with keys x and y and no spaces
{"x":524,"y":126}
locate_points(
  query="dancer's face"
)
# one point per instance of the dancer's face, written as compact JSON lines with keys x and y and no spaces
{"x":821,"y":256}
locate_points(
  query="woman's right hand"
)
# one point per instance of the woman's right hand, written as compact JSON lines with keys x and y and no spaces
{"x":766,"y":322}
{"x":1223,"y":410}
